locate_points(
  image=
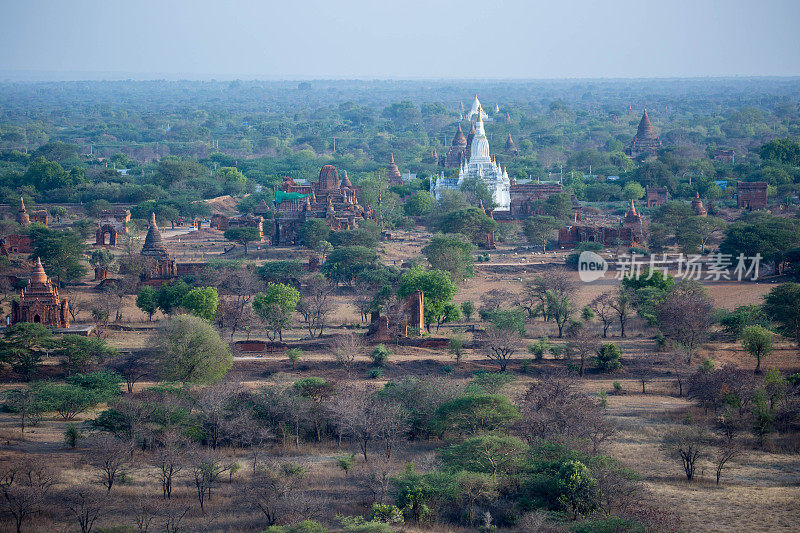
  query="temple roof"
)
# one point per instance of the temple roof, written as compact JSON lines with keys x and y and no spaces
{"x":328,"y":178}
{"x":153,"y":240}
{"x":645,"y":130}
{"x":510,"y":146}
{"x":346,"y":180}
{"x":459,"y":139}
{"x":477,"y":109}
{"x":392,"y":172}
{"x":38,"y":275}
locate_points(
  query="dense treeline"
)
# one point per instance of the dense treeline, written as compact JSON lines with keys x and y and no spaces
{"x":269,"y":130}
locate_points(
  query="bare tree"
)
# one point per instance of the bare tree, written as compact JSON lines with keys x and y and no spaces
{"x":497,"y":298}
{"x":501,"y":344}
{"x":276,"y":493}
{"x":168,"y":460}
{"x":85,"y":507}
{"x":688,"y":444}
{"x":374,"y":477}
{"x":390,"y":422}
{"x":25,"y":485}
{"x":555,"y":409}
{"x":206,"y":468}
{"x":173,"y":514}
{"x":236,"y":287}
{"x":111,"y":456}
{"x":622,"y":304}
{"x":582,"y":346}
{"x":353,"y":411}
{"x":534,"y":293}
{"x":685,"y":316}
{"x":214,"y":405}
{"x":603,"y":307}
{"x":316,"y":304}
{"x":145,"y":514}
{"x":728,"y":451}
{"x":132,"y":366}
{"x":345,"y":349}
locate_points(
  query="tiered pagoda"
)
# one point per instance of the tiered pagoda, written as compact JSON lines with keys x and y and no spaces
{"x":393,"y":173}
{"x":40,"y":303}
{"x":646,"y":141}
{"x":158,"y":263}
{"x":457,"y":153}
{"x":510,"y":147}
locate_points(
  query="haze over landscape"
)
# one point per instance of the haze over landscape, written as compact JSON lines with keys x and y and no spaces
{"x":399,"y":40}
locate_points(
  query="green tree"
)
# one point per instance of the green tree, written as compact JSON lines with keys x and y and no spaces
{"x":478,"y":193}
{"x":762,"y":233}
{"x":470,"y":221}
{"x":202,"y":302}
{"x":781,"y":305}
{"x":346,"y":263}
{"x":786,"y":151}
{"x":58,"y":212}
{"x":539,"y":229}
{"x":243,"y":236}
{"x":421,"y":203}
{"x":757,"y":341}
{"x":608,"y":358}
{"x":61,"y":253}
{"x":294,"y":355}
{"x":437,"y":287}
{"x":488,"y":454}
{"x":275,"y":307}
{"x":577,"y":488}
{"x":81,"y":352}
{"x":633,"y":191}
{"x":451,"y":253}
{"x":102,"y":259}
{"x":313,"y":231}
{"x":473,"y":414}
{"x":170,"y":296}
{"x":147,"y":301}
{"x":191,"y":351}
{"x":558,"y":206}
{"x":233,"y":181}
{"x":23,"y":346}
{"x":467,"y":309}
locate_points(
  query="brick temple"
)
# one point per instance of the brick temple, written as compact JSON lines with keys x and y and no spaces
{"x":751,"y":194}
{"x":333,"y":200}
{"x":646,"y":142}
{"x":39,"y":302}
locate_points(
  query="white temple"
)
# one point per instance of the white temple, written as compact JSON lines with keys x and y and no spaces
{"x":480,"y":165}
{"x":476,"y":107}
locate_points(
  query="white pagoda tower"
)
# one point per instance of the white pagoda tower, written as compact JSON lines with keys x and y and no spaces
{"x":480,"y":165}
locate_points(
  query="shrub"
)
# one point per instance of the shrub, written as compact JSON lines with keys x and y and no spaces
{"x":488,"y":382}
{"x":618,"y":388}
{"x":380,"y":355}
{"x":539,"y":347}
{"x":386,"y":513}
{"x":607,"y":359}
{"x":375,"y":373}
{"x":467,"y":309}
{"x":357,"y":524}
{"x":72,"y":435}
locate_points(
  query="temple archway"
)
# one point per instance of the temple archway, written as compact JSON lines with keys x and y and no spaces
{"x":106,"y":236}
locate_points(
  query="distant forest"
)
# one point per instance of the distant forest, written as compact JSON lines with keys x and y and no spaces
{"x":61,"y":142}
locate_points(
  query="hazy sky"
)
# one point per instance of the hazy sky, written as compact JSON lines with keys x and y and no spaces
{"x":398,"y":39}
